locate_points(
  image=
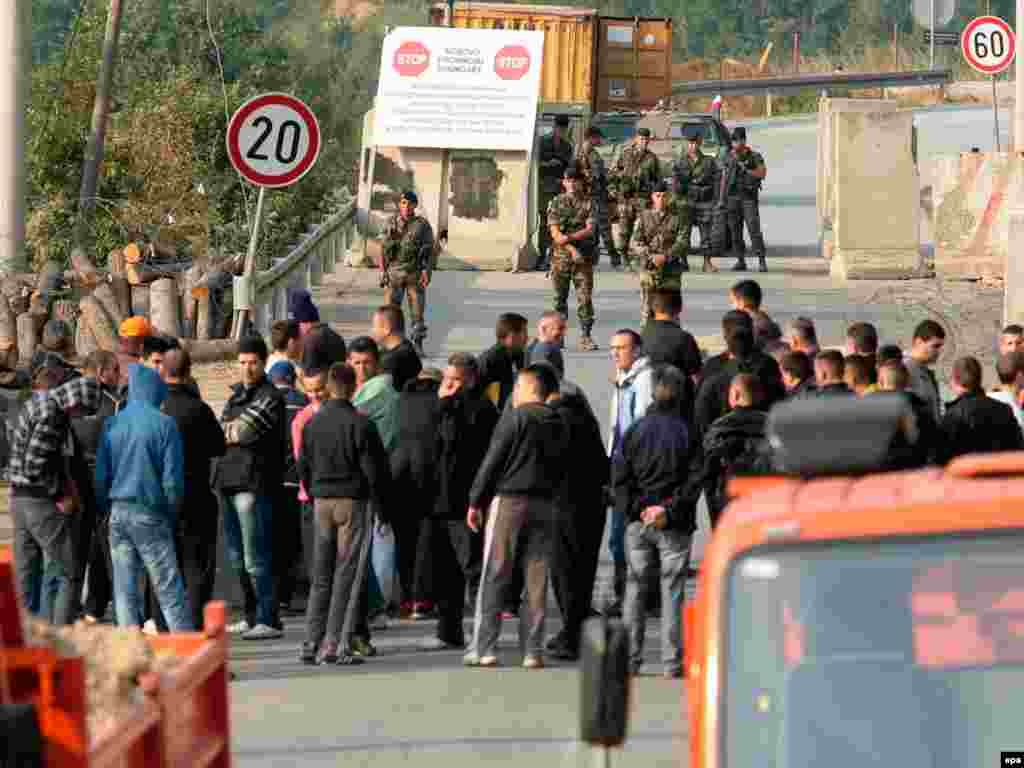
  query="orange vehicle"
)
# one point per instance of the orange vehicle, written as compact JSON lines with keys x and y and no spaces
{"x":872,"y":619}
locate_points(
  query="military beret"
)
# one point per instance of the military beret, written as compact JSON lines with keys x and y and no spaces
{"x":644,"y":132}
{"x":661,"y":186}
{"x":410,"y":197}
{"x":694,"y":133}
{"x":562,"y":120}
{"x":739,"y":134}
{"x":571,"y":173}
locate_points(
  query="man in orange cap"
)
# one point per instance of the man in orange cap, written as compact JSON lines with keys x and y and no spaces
{"x":129,"y":346}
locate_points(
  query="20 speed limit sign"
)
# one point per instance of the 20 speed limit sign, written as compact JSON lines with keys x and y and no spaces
{"x":988,"y":44}
{"x":273,"y":140}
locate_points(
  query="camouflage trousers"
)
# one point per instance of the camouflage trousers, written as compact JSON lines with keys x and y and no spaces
{"x":579,"y":275}
{"x":702,"y":217}
{"x":745,"y":210}
{"x":543,"y":230}
{"x":629,"y":210}
{"x":651,"y":282}
{"x":604,"y":229}
{"x":406,"y":285}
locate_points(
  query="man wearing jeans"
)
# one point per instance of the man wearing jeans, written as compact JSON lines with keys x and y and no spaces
{"x":41,"y":494}
{"x":140,"y":478}
{"x":343,"y":465}
{"x":248,"y":476}
{"x":649,"y":470}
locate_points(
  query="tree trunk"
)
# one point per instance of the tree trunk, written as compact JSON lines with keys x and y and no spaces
{"x":116,"y":262}
{"x":8,"y":336}
{"x":95,"y":318}
{"x":203,"y":319}
{"x":85,"y":342}
{"x":165,"y":307}
{"x":85,"y":271}
{"x":105,"y":295}
{"x":28,"y":337}
{"x":210,"y":350}
{"x":140,"y":300}
{"x":123,"y":291}
{"x":140,"y":274}
{"x":101,"y":107}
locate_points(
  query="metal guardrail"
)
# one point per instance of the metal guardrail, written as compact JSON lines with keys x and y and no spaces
{"x":779,"y":85}
{"x":304,"y":267}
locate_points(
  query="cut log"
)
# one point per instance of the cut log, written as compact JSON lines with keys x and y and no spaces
{"x":188,"y":300}
{"x":203,"y":319}
{"x":95,"y":318}
{"x":123,"y":291}
{"x":28,"y":337}
{"x":141,"y":274}
{"x":105,"y":295}
{"x":132,"y":254}
{"x":66,"y":311}
{"x":210,"y":350}
{"x":140,"y":300}
{"x":39,"y":310}
{"x":86,"y":271}
{"x":165,"y":307}
{"x":8,"y":323}
{"x":85,"y":342}
{"x":116,"y":262}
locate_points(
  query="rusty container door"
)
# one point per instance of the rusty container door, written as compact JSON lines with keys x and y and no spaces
{"x":570,"y":42}
{"x":634,"y":63}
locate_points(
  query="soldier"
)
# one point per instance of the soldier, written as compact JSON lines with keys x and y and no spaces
{"x":591,"y":165}
{"x":741,"y":182}
{"x":554,"y":158}
{"x":636,"y":174}
{"x":409,"y":261}
{"x":696,"y":182}
{"x":659,"y":246}
{"x":571,"y":225}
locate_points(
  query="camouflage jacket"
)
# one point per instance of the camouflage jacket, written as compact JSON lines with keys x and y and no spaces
{"x":696,"y":180}
{"x":664,"y":232}
{"x":571,"y":213}
{"x":737,"y":181}
{"x":409,"y":244}
{"x":637,"y":172}
{"x":552,"y":152}
{"x":591,"y":165}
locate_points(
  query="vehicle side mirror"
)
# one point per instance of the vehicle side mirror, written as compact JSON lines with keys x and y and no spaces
{"x":604,"y":690}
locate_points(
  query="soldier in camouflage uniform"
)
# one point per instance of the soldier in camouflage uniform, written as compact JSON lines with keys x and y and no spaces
{"x":571,"y":225}
{"x":636,"y":174}
{"x":595,"y":178}
{"x":695,"y":178}
{"x":659,"y":246}
{"x":554,"y":156}
{"x":742,"y":177}
{"x":408,"y":262}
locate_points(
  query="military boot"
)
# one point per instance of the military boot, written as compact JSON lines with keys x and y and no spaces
{"x":708,"y":266}
{"x":741,"y":265}
{"x":762,"y":263}
{"x":685,"y":265}
{"x":586,"y":344}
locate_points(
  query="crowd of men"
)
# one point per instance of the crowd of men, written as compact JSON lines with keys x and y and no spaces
{"x":491,"y":475}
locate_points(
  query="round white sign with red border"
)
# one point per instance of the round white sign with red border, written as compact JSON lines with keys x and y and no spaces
{"x":273,"y":140}
{"x":988,"y":45}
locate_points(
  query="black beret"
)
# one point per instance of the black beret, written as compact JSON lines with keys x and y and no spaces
{"x":661,"y":186}
{"x":739,"y":134}
{"x":410,"y":196}
{"x":562,"y":120}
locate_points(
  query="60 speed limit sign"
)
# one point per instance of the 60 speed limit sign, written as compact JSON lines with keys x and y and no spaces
{"x":273,"y":140}
{"x":988,"y":45}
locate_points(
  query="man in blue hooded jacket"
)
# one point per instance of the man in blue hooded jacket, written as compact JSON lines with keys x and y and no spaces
{"x":140,"y":477}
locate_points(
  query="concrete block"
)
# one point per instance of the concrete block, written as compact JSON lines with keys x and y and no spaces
{"x":874,"y":263}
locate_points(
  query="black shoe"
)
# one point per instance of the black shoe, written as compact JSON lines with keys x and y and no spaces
{"x":346,"y":660}
{"x":556,"y":642}
{"x":307,"y":653}
{"x":685,"y":266}
{"x":740,"y":266}
{"x":564,"y":653}
{"x":762,"y":264}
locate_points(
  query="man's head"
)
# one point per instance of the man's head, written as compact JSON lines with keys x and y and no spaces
{"x":667,"y":304}
{"x":777,"y":348}
{"x":551,"y":327}
{"x":802,"y":336}
{"x":797,"y":368}
{"x":929,"y":339}
{"x":858,"y":373}
{"x":153,"y":350}
{"x":407,"y":203}
{"x":694,"y":139}
{"x":643,"y":138}
{"x":178,"y":366}
{"x":659,"y":195}
{"x":626,"y":348}
{"x":893,"y":376}
{"x":252,"y":359}
{"x":888,"y":353}
{"x":595,"y":136}
{"x":302,"y":310}
{"x":340,"y":381}
{"x":534,"y":384}
{"x":966,"y":377}
{"x":739,"y":137}
{"x":746,"y":295}
{"x":829,"y":367}
{"x":861,"y":339}
{"x":130,"y":336}
{"x":315,"y":385}
{"x":58,"y":338}
{"x":1011,"y":339}
{"x":460,"y":375}
{"x":388,"y":320}
{"x":284,"y":338}
{"x":282,"y":374}
{"x":745,"y":391}
{"x":512,"y":331}
{"x":103,"y":366}
{"x":571,"y":180}
{"x":670,"y":389}
{"x":364,"y":358}
{"x":740,"y":343}
{"x":1010,"y":370}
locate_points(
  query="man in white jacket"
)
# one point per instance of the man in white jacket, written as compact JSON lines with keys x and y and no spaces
{"x":633,"y":395}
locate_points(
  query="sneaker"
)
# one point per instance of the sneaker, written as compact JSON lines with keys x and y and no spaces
{"x":347,"y":660}
{"x":740,"y":266}
{"x":328,"y":653}
{"x":149,"y":628}
{"x":556,"y":641}
{"x":586,"y":344}
{"x":508,"y":616}
{"x":672,"y":673}
{"x":307,"y":653}
{"x":263,"y":632}
{"x":360,"y":646}
{"x":475,"y":660}
{"x":437,"y":644}
{"x":533,"y":662}
{"x":239,"y":627}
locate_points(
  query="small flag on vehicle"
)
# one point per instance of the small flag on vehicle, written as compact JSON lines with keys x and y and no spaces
{"x":717,"y":103}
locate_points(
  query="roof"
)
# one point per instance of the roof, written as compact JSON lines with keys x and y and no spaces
{"x":519,"y":8}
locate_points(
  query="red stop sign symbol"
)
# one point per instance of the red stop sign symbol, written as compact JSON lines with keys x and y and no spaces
{"x":411,"y":59}
{"x":512,"y":62}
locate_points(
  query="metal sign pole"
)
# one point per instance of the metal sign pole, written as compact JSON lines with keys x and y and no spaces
{"x":242,"y":315}
{"x":1018,"y":106}
{"x":931,"y":42}
{"x":995,"y":112}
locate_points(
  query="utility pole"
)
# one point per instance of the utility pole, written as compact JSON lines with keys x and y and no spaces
{"x":1018,"y":86}
{"x":100,"y":112}
{"x":931,"y":42}
{"x":14,"y":49}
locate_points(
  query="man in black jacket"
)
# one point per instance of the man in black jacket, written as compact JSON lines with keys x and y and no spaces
{"x":202,"y":441}
{"x":975,"y":422}
{"x":499,"y":364}
{"x":398,"y":355}
{"x":518,"y":482}
{"x":829,"y":373}
{"x":248,"y":477}
{"x":342,"y":464}
{"x":893,"y":376}
{"x":465,"y":427}
{"x":666,"y":343}
{"x":798,"y":374}
{"x":652,"y":468}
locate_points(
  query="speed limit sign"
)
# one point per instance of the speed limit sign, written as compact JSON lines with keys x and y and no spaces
{"x":273,"y":140}
{"x":988,"y":45}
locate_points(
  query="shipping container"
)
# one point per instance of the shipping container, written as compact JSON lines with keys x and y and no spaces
{"x":591,"y":63}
